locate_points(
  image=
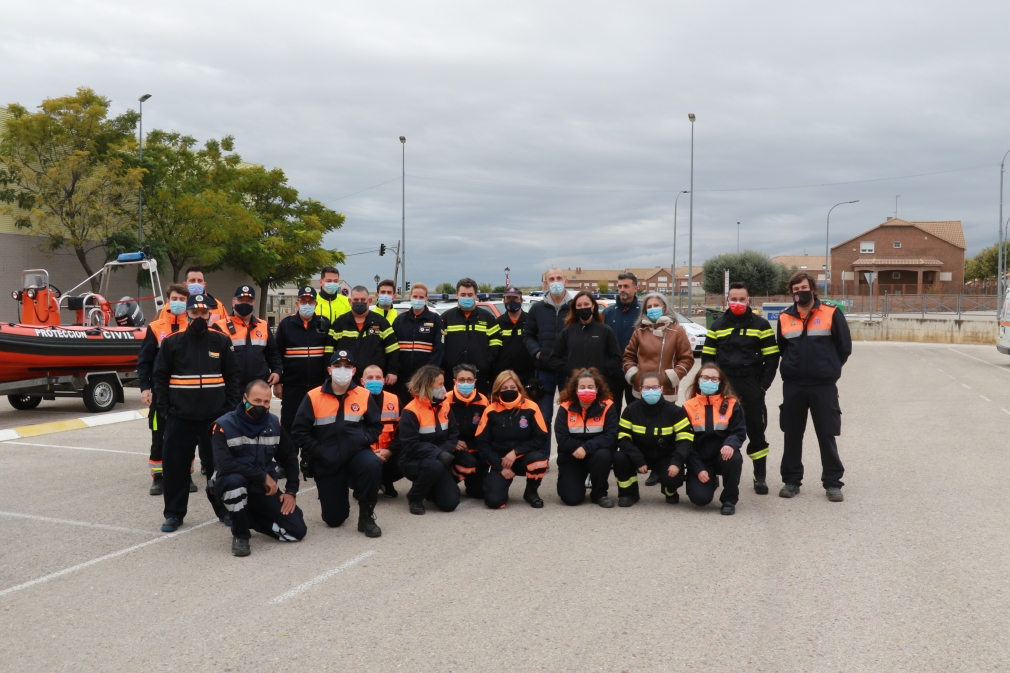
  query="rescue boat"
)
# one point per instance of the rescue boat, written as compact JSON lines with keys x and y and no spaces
{"x":32,"y":351}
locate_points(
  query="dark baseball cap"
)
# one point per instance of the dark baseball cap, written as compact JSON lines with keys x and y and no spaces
{"x":197,"y":301}
{"x":307,"y":291}
{"x":341,"y":355}
{"x":513,"y":291}
{"x":245,"y":291}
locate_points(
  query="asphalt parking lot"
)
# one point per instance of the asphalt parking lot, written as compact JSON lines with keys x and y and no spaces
{"x":908,"y":574}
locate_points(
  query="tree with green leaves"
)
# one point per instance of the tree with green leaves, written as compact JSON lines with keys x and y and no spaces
{"x":754,"y":269}
{"x":485,"y":288}
{"x":603,"y":287}
{"x":288,"y":244}
{"x":68,"y":173}
{"x":445,"y":288}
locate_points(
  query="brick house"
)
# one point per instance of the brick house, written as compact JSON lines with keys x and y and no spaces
{"x":651,"y":279}
{"x":909,"y":258}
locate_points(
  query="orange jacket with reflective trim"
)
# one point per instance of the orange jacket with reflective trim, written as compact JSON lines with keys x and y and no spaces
{"x":814,"y":349}
{"x":520,"y":429}
{"x":156,"y":333}
{"x":426,"y":430}
{"x":468,"y":414}
{"x":593,"y":429}
{"x":331,"y":429}
{"x":389,"y":412}
{"x":255,"y":348}
{"x":716,"y":422}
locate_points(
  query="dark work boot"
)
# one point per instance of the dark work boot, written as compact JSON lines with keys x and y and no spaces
{"x":653,"y":479}
{"x":728,"y":508}
{"x":239,"y":546}
{"x":834,"y":494}
{"x":366,"y":520}
{"x":156,"y":486}
{"x":672,"y":498}
{"x":532,"y":495}
{"x":789,"y":491}
{"x":760,"y":486}
{"x":192,"y":484}
{"x":416,"y":506}
{"x":389,"y":490}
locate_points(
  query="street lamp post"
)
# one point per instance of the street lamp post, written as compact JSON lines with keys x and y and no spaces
{"x":827,"y":237}
{"x":1002,"y":261}
{"x":377,"y":279}
{"x":140,"y":149}
{"x":673,"y":270}
{"x":403,"y":215}
{"x":507,"y":270}
{"x":690,"y":228}
{"x":738,"y":238}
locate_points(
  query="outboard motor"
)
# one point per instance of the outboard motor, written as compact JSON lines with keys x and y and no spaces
{"x":128,"y":313}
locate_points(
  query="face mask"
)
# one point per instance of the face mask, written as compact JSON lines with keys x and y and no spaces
{"x":438,"y":394}
{"x":257,"y":412}
{"x":557,"y":289}
{"x":244,"y":310}
{"x":586,"y":396}
{"x":198,"y":325}
{"x":374,"y":387}
{"x":509,"y":395}
{"x":331,"y":288}
{"x":195,"y":288}
{"x":803,"y":297}
{"x":177,"y":307}
{"x":385,"y":300}
{"x":467,"y":303}
{"x":418,"y":304}
{"x":654,"y":313}
{"x":652,"y":396}
{"x":359,"y":307}
{"x":513,"y":306}
{"x":342,"y":376}
{"x":465,"y":389}
{"x":584,"y":314}
{"x":306,"y":310}
{"x":736,"y":308}
{"x":708,"y":387}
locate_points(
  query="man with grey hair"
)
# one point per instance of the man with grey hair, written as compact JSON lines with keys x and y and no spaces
{"x":621,"y":317}
{"x":367,"y":336}
{"x":544,"y":323}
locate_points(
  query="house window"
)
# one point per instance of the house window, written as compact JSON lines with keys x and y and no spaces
{"x":897,"y":244}
{"x":803,"y":267}
{"x":866,"y":247}
{"x":896,"y":275}
{"x":661,"y":279}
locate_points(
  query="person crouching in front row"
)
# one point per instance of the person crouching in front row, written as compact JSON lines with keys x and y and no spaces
{"x":509,"y":438}
{"x":249,"y":444}
{"x":586,"y":430}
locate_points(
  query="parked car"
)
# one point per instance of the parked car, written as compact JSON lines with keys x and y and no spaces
{"x":695,"y":333}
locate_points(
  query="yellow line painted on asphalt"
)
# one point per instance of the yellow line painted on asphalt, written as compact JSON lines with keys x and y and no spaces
{"x":50,"y":428}
{"x":72,"y":424}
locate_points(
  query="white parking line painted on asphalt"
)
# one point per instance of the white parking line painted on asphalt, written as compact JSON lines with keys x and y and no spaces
{"x":305,"y":586}
{"x":108,"y":419}
{"x":79,"y":448}
{"x":985,"y":362}
{"x":949,"y":376}
{"x":985,"y":398}
{"x":966,"y":386}
{"x":49,"y":519}
{"x":115,"y":554}
{"x":1006,"y":411}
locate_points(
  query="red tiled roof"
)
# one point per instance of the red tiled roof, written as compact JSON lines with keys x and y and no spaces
{"x":892,"y":261}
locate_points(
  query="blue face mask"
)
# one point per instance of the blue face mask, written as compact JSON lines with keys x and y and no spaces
{"x":465,"y":389}
{"x":513,"y":306}
{"x":652,"y":396}
{"x":557,"y":289}
{"x":374,"y":387}
{"x":385,"y":300}
{"x":467,"y":303}
{"x":654,"y":313}
{"x":177,"y":307}
{"x":708,"y":387}
{"x":195,"y":288}
{"x":418,"y":304}
{"x":307,"y":310}
{"x":331,"y":288}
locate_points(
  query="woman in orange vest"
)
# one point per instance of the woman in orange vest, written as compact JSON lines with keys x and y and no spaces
{"x":586,"y":430}
{"x":719,"y":432}
{"x":427,"y":438}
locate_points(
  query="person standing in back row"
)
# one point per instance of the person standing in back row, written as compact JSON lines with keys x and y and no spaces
{"x":622,"y":317}
{"x":815,"y":343}
{"x":384,"y":294}
{"x":471,"y":336}
{"x":743,"y":344}
{"x":301,"y":341}
{"x":367,"y":336}
{"x":255,"y":348}
{"x":419,"y":332}
{"x":585,"y":342}
{"x":330,"y":303}
{"x":513,"y":354}
{"x":544,"y":323}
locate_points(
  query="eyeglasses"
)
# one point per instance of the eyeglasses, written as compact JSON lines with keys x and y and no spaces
{"x":713,"y":379}
{"x":651,"y":388}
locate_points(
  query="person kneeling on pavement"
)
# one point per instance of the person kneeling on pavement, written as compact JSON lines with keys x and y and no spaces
{"x":468,"y":407}
{"x":249,"y":445}
{"x":719,"y":431}
{"x":389,"y":404}
{"x":336,"y":425}
{"x":655,"y":435}
{"x":427,"y":439}
{"x":586,"y":430}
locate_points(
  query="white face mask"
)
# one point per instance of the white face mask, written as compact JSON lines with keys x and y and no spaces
{"x":342,"y":375}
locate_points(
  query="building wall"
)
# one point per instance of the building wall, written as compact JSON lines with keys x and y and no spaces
{"x":915,"y":244}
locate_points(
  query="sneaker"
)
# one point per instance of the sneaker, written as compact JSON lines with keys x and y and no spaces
{"x":157,"y":488}
{"x":192,"y":484}
{"x":653,"y":479}
{"x":835,"y":494}
{"x":239,"y":547}
{"x":171,"y":525}
{"x":605,"y":502}
{"x":760,"y":486}
{"x":673,"y":499}
{"x":789,"y":491}
{"x":416,"y":507}
{"x":728,"y":508}
{"x":626,"y":501}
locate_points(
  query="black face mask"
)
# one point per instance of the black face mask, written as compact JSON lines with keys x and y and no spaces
{"x":244,"y":310}
{"x":256,"y":412}
{"x":513,"y":306}
{"x":359,"y":307}
{"x":198,"y":325}
{"x":584,"y":314}
{"x":509,"y":395}
{"x":803,"y":297}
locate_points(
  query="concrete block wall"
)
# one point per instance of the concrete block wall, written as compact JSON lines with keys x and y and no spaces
{"x":926,"y":330}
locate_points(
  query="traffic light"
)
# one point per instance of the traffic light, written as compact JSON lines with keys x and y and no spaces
{"x":406,"y":285}
{"x":382,"y":249}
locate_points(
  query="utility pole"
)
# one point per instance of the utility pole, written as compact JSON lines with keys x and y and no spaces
{"x":396,"y":267}
{"x":690,"y":229}
{"x":403,"y":216}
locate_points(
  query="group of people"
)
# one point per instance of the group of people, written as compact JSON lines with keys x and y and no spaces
{"x":370,"y":396}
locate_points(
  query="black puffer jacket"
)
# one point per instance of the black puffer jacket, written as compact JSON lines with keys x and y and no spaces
{"x":543,"y":325}
{"x":583,"y":346}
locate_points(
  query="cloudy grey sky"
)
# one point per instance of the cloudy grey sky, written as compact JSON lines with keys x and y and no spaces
{"x":556,"y":133}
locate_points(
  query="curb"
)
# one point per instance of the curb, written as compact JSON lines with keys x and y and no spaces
{"x":71,"y":424}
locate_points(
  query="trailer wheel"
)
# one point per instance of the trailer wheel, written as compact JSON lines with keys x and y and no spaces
{"x":100,"y":394}
{"x":24,"y":402}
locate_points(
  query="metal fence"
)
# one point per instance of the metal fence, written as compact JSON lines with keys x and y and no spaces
{"x":887,"y":304}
